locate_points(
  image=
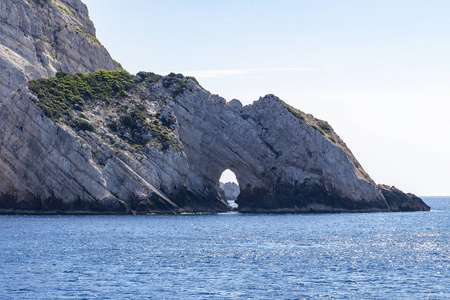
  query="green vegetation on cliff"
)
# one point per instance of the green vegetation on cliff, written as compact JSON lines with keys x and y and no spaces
{"x":321,"y":126}
{"x":176,"y":82}
{"x":295,"y":112}
{"x":86,"y":34}
{"x":133,"y":126}
{"x":63,"y":98}
{"x":57,"y":96}
{"x":82,"y":124}
{"x":149,"y":77}
{"x":63,"y":9}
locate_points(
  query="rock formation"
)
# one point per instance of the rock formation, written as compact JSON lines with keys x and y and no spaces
{"x":160,"y":146}
{"x":399,"y":201}
{"x":110,"y":142}
{"x":40,"y":37}
{"x":284,"y":160}
{"x":230,"y":190}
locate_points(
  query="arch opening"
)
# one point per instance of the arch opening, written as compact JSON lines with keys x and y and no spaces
{"x":229,"y":187}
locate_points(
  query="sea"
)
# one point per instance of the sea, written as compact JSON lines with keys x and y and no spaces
{"x":228,"y":256}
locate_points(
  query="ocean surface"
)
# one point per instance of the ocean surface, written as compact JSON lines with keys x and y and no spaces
{"x":228,"y":256}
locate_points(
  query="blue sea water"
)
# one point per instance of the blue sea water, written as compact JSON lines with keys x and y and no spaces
{"x":228,"y":256}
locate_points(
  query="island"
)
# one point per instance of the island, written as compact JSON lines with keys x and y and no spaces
{"x":81,"y":135}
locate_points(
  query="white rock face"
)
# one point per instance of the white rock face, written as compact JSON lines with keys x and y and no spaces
{"x":39,"y":38}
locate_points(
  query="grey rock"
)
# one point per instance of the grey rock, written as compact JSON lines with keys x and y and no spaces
{"x":222,"y":194}
{"x":37,"y":40}
{"x":50,"y":168}
{"x":399,"y":201}
{"x":230,"y":190}
{"x":281,"y":162}
{"x":235,"y":105}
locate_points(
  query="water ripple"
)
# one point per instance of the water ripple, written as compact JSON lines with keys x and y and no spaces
{"x":227,"y":256}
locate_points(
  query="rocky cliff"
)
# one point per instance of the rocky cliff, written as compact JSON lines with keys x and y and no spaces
{"x":284,"y":160}
{"x":40,"y":37}
{"x":111,"y":142}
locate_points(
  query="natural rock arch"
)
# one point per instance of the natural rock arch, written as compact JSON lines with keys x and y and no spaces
{"x":229,"y":187}
{"x":282,"y":159}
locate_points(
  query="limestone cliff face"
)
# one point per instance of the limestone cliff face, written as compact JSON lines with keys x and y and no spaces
{"x":162,"y":149}
{"x":52,"y":166}
{"x":283,"y":160}
{"x":40,"y":37}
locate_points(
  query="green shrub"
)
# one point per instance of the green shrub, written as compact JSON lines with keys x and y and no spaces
{"x":135,"y":122}
{"x":64,"y":9}
{"x":127,"y":121}
{"x":78,"y":107}
{"x":86,"y":34}
{"x":325,"y":127}
{"x":167,"y":121}
{"x":149,"y":77}
{"x":118,"y":66}
{"x":193,"y":79}
{"x":318,"y":129}
{"x":295,"y":112}
{"x":58,"y":95}
{"x":84,"y":125}
{"x":114,"y":126}
{"x":162,"y":135}
{"x":175,"y":81}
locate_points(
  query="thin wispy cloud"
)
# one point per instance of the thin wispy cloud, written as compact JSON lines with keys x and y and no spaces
{"x":238,"y":72}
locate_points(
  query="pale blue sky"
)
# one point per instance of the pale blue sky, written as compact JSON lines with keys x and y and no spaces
{"x":378,"y":71}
